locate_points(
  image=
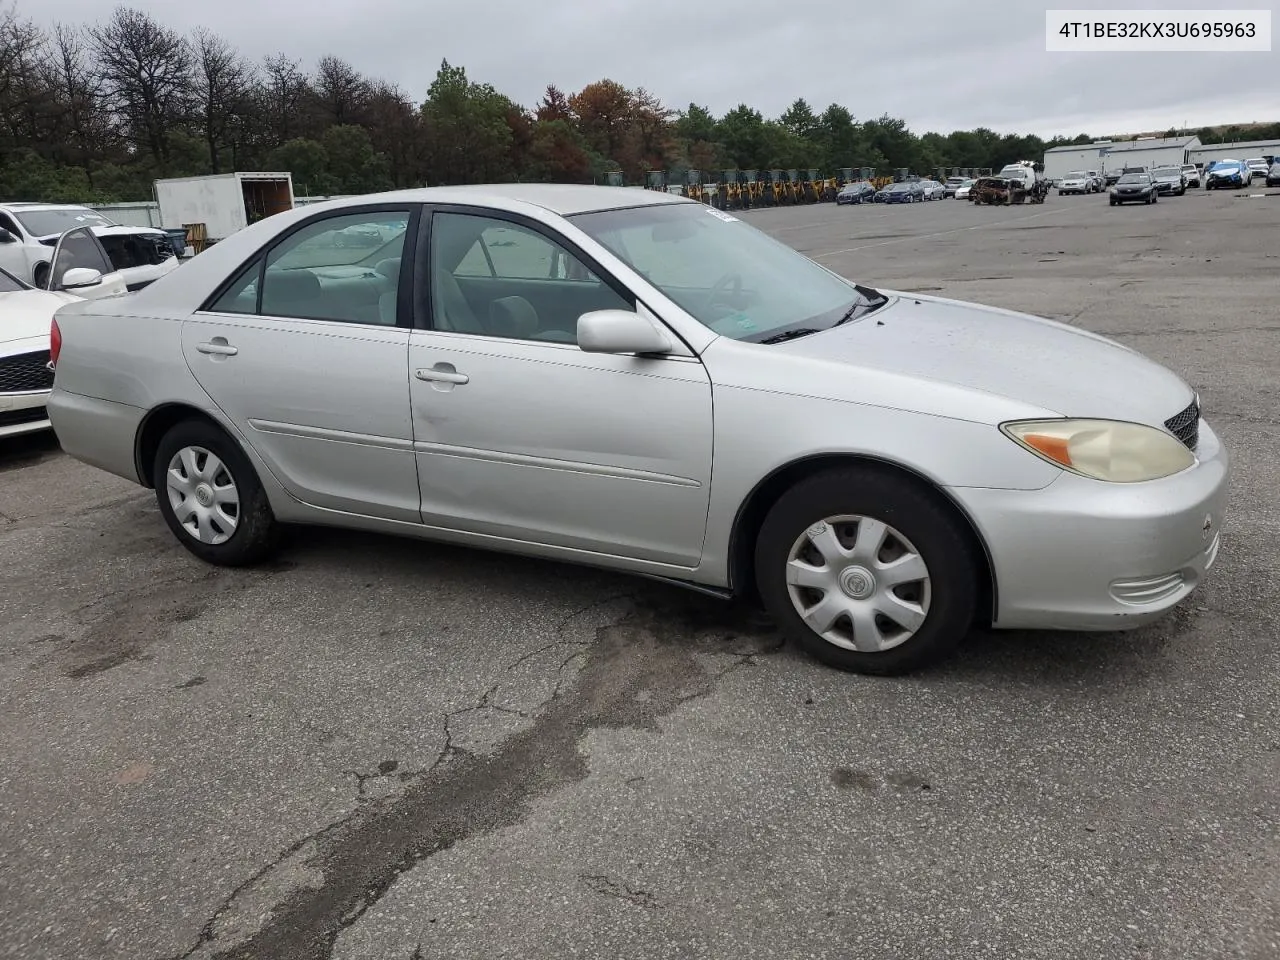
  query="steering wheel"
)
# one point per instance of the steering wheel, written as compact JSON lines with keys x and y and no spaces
{"x":729,"y":279}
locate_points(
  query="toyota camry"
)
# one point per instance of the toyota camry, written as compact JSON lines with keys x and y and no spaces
{"x":638,"y":381}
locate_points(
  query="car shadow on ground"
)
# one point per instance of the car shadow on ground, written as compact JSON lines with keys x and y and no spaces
{"x":25,"y":450}
{"x":1048,"y":659}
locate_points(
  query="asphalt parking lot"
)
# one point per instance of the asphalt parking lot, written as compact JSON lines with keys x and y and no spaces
{"x":378,"y":748}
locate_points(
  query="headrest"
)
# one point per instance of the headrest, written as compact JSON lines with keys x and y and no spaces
{"x":513,"y":317}
{"x":290,"y":285}
{"x":389,"y":268}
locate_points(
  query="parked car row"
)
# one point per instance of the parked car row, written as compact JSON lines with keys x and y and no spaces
{"x":905,"y":191}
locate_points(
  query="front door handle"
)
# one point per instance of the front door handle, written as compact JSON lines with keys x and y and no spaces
{"x":441,"y":375}
{"x":218,"y":348}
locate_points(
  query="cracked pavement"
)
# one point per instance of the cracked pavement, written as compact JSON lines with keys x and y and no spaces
{"x":376,"y":748}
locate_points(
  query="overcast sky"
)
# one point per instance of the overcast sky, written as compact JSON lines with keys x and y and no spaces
{"x":939,"y":64}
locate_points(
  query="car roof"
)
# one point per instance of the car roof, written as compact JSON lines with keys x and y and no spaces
{"x":31,"y":205}
{"x":564,"y":199}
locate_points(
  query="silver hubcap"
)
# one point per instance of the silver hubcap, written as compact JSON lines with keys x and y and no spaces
{"x":203,"y":495}
{"x":858,"y":583}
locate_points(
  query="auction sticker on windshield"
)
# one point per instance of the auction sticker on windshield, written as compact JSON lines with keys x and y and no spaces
{"x":721,"y":215}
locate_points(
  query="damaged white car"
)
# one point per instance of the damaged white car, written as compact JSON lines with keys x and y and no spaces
{"x":30,"y":231}
{"x":79,"y":270}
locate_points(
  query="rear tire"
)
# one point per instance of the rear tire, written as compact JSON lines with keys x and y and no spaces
{"x":211,"y":498}
{"x":831,"y":533}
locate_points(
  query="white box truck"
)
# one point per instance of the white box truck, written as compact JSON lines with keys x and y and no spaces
{"x":222,"y":202}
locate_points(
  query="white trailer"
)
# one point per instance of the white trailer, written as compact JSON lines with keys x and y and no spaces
{"x":222,"y":202}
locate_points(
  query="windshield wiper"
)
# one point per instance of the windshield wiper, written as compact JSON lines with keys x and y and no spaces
{"x":790,"y":335}
{"x":874,"y":301}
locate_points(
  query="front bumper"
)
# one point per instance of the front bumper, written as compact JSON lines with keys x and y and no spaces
{"x":1085,"y":555}
{"x":24,"y":413}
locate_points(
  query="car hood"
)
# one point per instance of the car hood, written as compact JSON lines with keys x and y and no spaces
{"x":26,"y":315}
{"x":985,"y":350}
{"x":112,"y":231}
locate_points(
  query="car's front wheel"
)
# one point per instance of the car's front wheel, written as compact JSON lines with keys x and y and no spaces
{"x":866,"y":572}
{"x":210,"y":496}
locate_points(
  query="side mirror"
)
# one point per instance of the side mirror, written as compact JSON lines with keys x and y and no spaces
{"x":6,"y":236}
{"x":77,"y":278}
{"x":620,"y":331}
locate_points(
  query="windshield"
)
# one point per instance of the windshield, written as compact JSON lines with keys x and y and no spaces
{"x":1134,"y":178}
{"x":1078,"y":175}
{"x":734,"y":279}
{"x":10,"y":283}
{"x":44,"y":223}
{"x":1168,"y":171}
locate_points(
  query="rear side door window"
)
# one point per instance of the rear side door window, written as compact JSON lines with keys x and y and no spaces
{"x":343,"y":268}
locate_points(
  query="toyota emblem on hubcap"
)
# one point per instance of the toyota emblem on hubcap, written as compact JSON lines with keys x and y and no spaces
{"x":857,"y":583}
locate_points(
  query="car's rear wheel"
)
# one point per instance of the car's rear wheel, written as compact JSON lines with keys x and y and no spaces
{"x":866,"y":572}
{"x":211,"y":497}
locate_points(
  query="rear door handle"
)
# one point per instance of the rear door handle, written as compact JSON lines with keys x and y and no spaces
{"x":218,"y":348}
{"x":443,"y":376}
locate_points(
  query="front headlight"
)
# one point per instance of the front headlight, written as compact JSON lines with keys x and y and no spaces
{"x":1110,"y":450}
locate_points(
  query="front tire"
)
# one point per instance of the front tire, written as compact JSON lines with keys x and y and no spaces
{"x":211,"y":498}
{"x":866,"y":572}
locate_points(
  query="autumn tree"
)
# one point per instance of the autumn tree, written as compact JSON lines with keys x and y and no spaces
{"x":26,"y":100}
{"x":554,"y":105}
{"x":465,"y":130}
{"x":283,"y":91}
{"x":146,"y":74}
{"x":221,"y":94}
{"x":604,"y":114}
{"x":340,"y":93}
{"x":78,"y":88}
{"x":395,"y":133}
{"x":557,"y":153}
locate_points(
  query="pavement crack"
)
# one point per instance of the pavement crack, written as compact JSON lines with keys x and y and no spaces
{"x":605,"y":886}
{"x":641,"y":665}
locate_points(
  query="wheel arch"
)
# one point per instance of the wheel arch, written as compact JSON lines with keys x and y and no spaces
{"x":159,"y":421}
{"x":756,"y":505}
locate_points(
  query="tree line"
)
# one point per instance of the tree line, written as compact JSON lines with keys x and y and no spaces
{"x":96,"y":113}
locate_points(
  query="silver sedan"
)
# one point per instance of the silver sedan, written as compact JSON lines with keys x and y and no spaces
{"x":637,"y":381}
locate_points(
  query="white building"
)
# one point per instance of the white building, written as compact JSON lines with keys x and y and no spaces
{"x":1059,"y":161}
{"x":1104,"y":155}
{"x":1236,"y":150}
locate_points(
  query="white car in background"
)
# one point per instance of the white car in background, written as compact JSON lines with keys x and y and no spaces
{"x":1192,"y":173}
{"x":26,"y":318}
{"x":29,"y":232}
{"x":1075,"y":182}
{"x":962,"y":191}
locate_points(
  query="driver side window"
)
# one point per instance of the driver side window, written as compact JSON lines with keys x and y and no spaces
{"x":499,"y":278}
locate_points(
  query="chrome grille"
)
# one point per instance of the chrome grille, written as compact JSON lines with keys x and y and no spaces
{"x":25,"y":372}
{"x":1186,"y":425}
